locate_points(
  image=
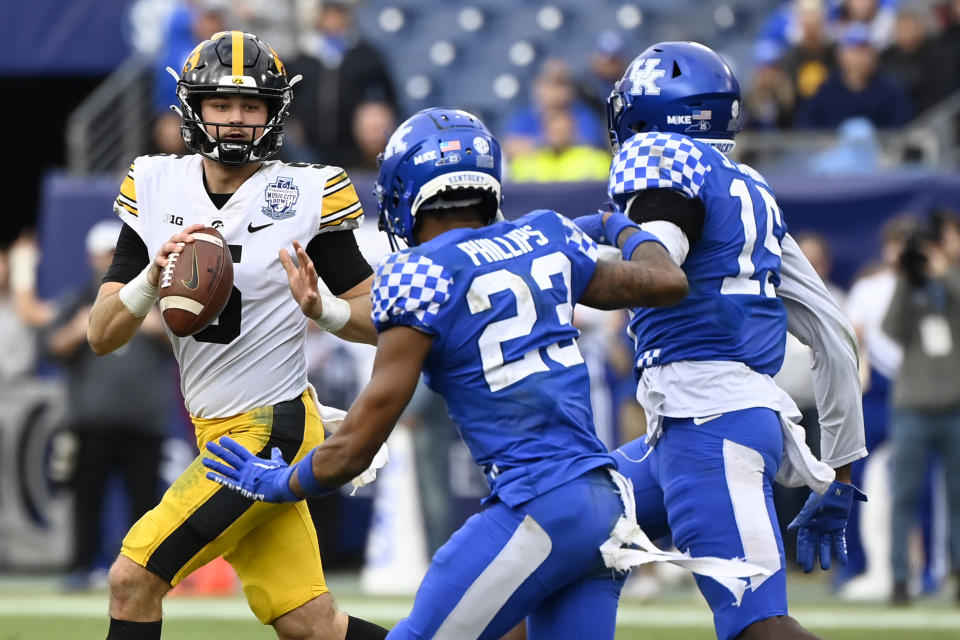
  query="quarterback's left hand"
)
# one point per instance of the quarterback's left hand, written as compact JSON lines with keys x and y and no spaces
{"x":302,"y":278}
{"x":248,"y":475}
{"x":822,"y":524}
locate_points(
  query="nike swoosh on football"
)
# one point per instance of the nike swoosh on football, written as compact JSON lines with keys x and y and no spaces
{"x":253,"y":229}
{"x":706,"y":419}
{"x":194,"y":281}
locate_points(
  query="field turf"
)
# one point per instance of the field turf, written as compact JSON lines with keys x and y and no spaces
{"x":32,"y":608}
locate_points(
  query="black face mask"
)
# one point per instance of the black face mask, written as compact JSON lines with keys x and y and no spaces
{"x":265,"y":140}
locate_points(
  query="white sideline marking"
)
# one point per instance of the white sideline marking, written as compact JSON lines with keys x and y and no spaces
{"x":630,"y":615}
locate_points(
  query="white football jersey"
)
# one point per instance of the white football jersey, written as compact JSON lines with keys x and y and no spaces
{"x":252,"y":355}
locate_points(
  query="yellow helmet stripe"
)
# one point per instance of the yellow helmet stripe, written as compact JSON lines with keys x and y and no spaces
{"x":236,"y":53}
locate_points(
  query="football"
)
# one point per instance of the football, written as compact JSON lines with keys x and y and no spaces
{"x":196,"y":283}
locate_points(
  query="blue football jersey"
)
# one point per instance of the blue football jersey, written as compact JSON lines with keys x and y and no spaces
{"x":732,"y":311}
{"x":499,"y":302}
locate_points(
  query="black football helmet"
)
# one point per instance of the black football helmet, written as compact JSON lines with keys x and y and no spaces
{"x":230,"y":63}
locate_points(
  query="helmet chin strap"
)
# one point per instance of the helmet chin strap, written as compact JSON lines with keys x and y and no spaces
{"x":243,"y":153}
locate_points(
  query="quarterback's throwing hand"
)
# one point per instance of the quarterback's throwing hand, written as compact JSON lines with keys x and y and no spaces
{"x":248,"y":475}
{"x":822,"y":525}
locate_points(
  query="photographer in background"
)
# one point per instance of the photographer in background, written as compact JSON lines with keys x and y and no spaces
{"x":924,"y":318}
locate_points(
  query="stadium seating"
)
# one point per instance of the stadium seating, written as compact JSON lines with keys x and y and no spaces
{"x":483,"y":35}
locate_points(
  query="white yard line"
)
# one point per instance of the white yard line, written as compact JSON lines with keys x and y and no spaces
{"x":698,"y":617}
{"x":829,"y":618}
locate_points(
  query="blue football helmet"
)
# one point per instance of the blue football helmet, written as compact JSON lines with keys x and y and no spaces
{"x":680,"y":87}
{"x":438,"y":158}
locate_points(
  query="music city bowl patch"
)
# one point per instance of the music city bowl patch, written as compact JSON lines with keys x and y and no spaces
{"x":281,"y":195}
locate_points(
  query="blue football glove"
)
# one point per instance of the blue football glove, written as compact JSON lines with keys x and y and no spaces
{"x":822,"y":525}
{"x":252,"y":477}
{"x":592,"y":225}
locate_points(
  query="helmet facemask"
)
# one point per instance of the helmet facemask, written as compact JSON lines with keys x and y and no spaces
{"x":205,"y":138}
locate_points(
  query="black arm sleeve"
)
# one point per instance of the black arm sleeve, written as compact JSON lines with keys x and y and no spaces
{"x":338,"y":260}
{"x":671,"y":206}
{"x":129,"y":259}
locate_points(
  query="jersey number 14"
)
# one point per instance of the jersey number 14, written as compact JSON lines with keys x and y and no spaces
{"x":754,"y":275}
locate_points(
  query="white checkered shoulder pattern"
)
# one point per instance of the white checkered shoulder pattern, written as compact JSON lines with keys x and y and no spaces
{"x":579,"y":240}
{"x":656,"y":160}
{"x":408,"y":283}
{"x":649,"y":358}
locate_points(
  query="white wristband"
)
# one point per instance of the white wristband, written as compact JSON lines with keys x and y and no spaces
{"x":23,"y":268}
{"x":335,"y":314}
{"x":138,"y":295}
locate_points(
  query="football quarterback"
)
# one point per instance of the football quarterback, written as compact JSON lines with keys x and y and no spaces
{"x":245,"y":374}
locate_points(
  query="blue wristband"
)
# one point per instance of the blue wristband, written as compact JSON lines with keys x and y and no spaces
{"x":311,"y":487}
{"x":636,"y":240}
{"x":616,"y":223}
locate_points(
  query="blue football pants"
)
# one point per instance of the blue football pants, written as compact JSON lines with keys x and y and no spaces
{"x":712,"y":483}
{"x":539,"y":560}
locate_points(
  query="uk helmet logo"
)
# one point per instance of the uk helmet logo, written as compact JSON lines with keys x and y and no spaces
{"x":397,"y":144}
{"x":643,"y":74}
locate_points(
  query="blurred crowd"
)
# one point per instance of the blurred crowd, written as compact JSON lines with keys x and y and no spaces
{"x":818,"y":64}
{"x":851,"y":66}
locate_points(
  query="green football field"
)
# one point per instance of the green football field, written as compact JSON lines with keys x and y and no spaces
{"x":32,"y":609}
